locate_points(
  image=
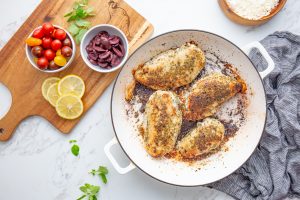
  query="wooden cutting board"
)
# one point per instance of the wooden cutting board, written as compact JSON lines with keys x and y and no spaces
{"x":24,"y":82}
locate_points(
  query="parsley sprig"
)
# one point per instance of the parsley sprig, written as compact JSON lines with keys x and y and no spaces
{"x":90,"y":192}
{"x":75,"y":148}
{"x":101,"y":172}
{"x":77,"y":16}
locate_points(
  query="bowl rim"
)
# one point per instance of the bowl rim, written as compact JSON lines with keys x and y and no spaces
{"x":28,"y":53}
{"x":266,"y":18}
{"x":97,"y":68}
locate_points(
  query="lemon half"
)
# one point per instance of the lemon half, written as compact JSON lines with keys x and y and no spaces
{"x":69,"y":107}
{"x":71,"y":84}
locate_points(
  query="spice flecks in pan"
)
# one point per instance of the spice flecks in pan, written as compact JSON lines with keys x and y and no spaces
{"x":231,"y":114}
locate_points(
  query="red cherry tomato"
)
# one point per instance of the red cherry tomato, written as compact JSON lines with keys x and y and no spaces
{"x":52,"y":34}
{"x":38,"y":33}
{"x":46,"y":42}
{"x":37,"y":51}
{"x":49,"y":54}
{"x":56,"y":44}
{"x":67,"y":42}
{"x":66,"y":51}
{"x":60,"y":34}
{"x":42,"y":63}
{"x":53,"y":66}
{"x":48,"y":28}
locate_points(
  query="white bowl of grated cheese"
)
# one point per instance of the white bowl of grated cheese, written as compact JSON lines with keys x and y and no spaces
{"x":250,"y":12}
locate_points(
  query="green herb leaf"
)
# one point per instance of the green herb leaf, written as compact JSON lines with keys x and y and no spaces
{"x":90,"y":191}
{"x":80,"y":35}
{"x":94,"y":172}
{"x":73,"y":29}
{"x":90,"y":11}
{"x":81,"y":5}
{"x":81,"y":197}
{"x":82,"y":23}
{"x":94,"y":189}
{"x":72,"y":141}
{"x":68,"y":14}
{"x":76,"y":5}
{"x":101,"y":171}
{"x":73,"y":17}
{"x":81,"y":13}
{"x":103,"y":177}
{"x":84,"y":188}
{"x":75,"y":150}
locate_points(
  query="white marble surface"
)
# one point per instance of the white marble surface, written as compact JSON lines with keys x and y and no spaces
{"x":37,"y":164}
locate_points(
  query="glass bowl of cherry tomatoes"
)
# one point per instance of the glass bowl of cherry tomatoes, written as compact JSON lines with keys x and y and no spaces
{"x":50,"y":48}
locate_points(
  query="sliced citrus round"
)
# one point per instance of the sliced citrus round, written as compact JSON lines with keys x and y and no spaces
{"x":69,"y":106}
{"x":52,"y":94}
{"x":46,"y":85}
{"x":71,"y":84}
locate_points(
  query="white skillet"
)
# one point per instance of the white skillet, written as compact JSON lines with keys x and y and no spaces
{"x":218,"y":166}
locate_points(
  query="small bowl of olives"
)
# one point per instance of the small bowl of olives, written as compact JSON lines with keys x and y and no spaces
{"x":104,"y":48}
{"x":50,"y":48}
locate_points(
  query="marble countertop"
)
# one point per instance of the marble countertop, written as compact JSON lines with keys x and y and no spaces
{"x":36,"y":163}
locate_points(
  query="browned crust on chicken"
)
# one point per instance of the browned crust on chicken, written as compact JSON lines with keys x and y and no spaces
{"x":208,"y":93}
{"x":171,"y":69}
{"x":163,"y":123}
{"x":129,"y":90}
{"x":206,"y":137}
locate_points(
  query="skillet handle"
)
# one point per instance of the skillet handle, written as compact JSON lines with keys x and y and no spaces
{"x":264,"y":53}
{"x":121,"y":170}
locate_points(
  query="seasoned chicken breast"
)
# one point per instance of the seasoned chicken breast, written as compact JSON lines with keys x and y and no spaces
{"x":162,"y":123}
{"x":206,"y":137}
{"x":208,"y":93}
{"x":171,"y":69}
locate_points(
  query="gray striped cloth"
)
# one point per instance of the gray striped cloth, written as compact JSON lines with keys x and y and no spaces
{"x":273,"y":171}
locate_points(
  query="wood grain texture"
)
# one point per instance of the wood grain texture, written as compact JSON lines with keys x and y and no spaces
{"x":24,"y":82}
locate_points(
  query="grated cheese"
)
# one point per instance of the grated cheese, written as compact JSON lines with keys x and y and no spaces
{"x":252,"y":9}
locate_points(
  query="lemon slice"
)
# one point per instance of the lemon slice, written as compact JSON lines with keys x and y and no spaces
{"x":46,"y":85}
{"x":52,"y":94}
{"x":71,"y":84}
{"x":69,"y":107}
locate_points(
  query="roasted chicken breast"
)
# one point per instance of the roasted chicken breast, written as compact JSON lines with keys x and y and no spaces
{"x":208,"y":93}
{"x":171,"y":69}
{"x":206,"y":137}
{"x":162,"y":125}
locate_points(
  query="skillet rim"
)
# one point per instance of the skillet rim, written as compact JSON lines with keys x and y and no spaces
{"x":112,"y":95}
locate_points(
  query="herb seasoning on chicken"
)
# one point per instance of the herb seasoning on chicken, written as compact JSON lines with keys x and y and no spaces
{"x":171,"y":69}
{"x":208,"y":93}
{"x":162,"y":123}
{"x":206,"y":137}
